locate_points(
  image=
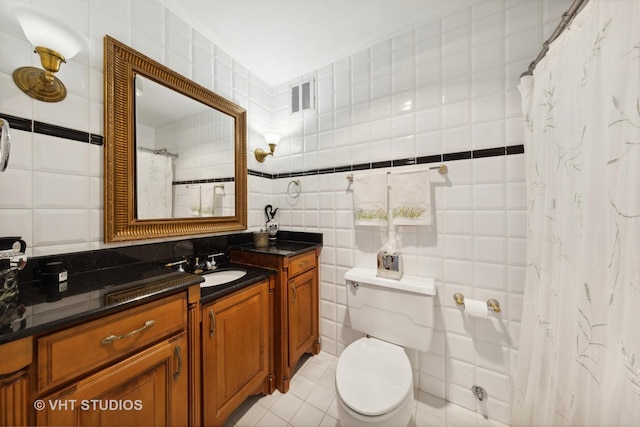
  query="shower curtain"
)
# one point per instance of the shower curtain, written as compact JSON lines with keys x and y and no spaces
{"x":154,"y":175}
{"x":579,"y":354}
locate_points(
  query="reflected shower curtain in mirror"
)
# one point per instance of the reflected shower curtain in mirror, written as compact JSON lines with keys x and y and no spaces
{"x":154,"y":190}
{"x":579,"y":353}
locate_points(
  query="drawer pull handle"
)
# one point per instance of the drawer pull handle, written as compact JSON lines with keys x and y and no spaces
{"x":303,"y":264}
{"x":295,"y":293}
{"x":178,"y":354}
{"x":212,"y":323}
{"x":112,"y":338}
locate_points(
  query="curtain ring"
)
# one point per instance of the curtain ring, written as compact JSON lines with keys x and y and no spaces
{"x":294,"y":188}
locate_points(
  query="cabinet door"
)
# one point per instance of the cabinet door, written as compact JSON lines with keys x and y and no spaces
{"x":235,"y":339}
{"x":14,"y":399}
{"x":303,"y":314}
{"x":15,"y":358}
{"x":147,"y":389}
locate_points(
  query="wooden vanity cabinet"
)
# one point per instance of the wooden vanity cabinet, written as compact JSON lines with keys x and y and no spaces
{"x":236,"y":350}
{"x":126,"y":368}
{"x":296,"y":309}
{"x":148,"y":389}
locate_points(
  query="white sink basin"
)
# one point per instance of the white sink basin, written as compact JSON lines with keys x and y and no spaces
{"x":221,"y":277}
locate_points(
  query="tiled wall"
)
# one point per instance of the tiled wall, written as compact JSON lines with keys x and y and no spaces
{"x":447,"y":88}
{"x":52,"y":192}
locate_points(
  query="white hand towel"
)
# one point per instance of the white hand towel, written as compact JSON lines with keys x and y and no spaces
{"x":193,"y":198}
{"x":218,"y":195}
{"x":206,"y":200}
{"x":410,"y":198}
{"x":370,"y":203}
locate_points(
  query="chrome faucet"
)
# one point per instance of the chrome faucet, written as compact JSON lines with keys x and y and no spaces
{"x":208,"y":264}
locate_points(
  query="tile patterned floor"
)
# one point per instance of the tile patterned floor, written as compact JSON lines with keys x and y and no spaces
{"x":311,"y":402}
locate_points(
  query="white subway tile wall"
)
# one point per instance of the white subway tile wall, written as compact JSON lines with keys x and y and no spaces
{"x":445,"y":87}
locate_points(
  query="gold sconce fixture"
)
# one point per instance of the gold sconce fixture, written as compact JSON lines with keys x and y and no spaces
{"x":272,"y":140}
{"x":55,"y":43}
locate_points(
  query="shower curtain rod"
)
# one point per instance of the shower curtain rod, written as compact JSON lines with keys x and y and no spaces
{"x":566,"y":19}
{"x":162,"y":152}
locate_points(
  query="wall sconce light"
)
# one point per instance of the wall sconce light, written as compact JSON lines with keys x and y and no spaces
{"x":62,"y":43}
{"x":272,"y":140}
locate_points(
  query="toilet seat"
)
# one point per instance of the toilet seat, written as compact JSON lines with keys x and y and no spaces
{"x":373,"y":377}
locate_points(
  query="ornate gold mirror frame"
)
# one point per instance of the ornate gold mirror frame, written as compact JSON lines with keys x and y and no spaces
{"x":121,"y":64}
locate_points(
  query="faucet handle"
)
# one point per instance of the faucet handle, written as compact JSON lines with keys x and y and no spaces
{"x":211,"y":264}
{"x":178,"y":263}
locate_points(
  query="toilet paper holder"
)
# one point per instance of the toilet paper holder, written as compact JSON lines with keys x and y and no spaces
{"x":492,"y":304}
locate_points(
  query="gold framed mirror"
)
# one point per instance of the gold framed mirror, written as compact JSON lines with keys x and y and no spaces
{"x":124,"y":216}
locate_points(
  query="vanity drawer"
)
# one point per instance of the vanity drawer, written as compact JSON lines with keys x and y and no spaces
{"x":70,"y":353}
{"x":301,"y":263}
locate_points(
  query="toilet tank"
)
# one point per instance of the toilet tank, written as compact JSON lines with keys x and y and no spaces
{"x":398,"y":311}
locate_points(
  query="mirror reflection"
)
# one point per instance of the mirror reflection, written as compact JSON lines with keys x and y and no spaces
{"x":184,"y":156}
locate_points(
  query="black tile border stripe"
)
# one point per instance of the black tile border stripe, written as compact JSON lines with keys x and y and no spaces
{"x":96,"y":139}
{"x":42,"y":128}
{"x":515,"y":149}
{"x":460,"y":155}
{"x":403,"y":162}
{"x":438,"y":158}
{"x":59,"y":131}
{"x":489,"y":152}
{"x":429,"y":159}
{"x":18,"y":123}
{"x":23,"y":124}
{"x":203,"y":181}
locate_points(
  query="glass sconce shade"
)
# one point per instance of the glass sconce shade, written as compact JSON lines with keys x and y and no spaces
{"x":55,"y":43}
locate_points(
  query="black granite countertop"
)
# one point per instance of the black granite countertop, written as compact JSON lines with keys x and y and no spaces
{"x":40,"y":308}
{"x":105,"y":281}
{"x":282,"y":248}
{"x":109,"y":291}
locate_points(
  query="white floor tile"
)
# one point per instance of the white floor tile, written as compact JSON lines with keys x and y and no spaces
{"x":269,"y":400}
{"x":311,"y":402}
{"x":328,"y":379}
{"x":321,"y":397}
{"x":271,"y":420}
{"x":307,"y":416}
{"x":333,"y":408}
{"x":301,"y":386}
{"x":312,"y":370}
{"x":286,"y":406}
{"x":251,"y":416}
{"x":329,"y":421}
{"x":425,"y":419}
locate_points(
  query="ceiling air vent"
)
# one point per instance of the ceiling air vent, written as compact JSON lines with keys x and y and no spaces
{"x":302,"y":97}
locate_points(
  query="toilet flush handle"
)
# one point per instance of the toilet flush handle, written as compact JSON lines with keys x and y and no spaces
{"x":355,"y":285}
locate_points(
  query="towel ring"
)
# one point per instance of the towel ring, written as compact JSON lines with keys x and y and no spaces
{"x":294,"y":188}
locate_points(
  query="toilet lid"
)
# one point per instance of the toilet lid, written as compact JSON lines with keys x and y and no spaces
{"x":373,"y":377}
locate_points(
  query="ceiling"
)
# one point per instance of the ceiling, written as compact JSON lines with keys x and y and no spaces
{"x":279,"y":40}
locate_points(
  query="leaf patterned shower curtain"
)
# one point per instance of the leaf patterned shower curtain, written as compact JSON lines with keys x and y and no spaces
{"x":579,"y":354}
{"x":154,"y":175}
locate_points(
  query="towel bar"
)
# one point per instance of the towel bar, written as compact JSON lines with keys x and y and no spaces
{"x":442,"y":169}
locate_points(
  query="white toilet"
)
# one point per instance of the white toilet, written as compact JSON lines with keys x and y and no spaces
{"x":374,"y":380}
